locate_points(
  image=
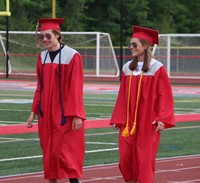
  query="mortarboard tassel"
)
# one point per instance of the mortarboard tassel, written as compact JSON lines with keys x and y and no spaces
{"x":36,"y":36}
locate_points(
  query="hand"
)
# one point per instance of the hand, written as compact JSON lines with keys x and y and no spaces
{"x":76,"y":123}
{"x":116,"y":127}
{"x":160,"y":126}
{"x":30,"y":120}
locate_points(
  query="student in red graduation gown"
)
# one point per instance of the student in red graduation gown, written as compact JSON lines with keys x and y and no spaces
{"x":143,"y":109}
{"x":58,"y":102}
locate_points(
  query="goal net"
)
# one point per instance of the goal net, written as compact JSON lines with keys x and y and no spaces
{"x":96,"y":48}
{"x":180,"y":53}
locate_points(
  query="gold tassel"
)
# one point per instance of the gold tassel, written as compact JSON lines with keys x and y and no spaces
{"x":36,"y":35}
{"x":125,"y":132}
{"x":133,"y":129}
{"x":137,"y":103}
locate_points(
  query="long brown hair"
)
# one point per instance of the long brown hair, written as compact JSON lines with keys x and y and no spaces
{"x":147,"y":57}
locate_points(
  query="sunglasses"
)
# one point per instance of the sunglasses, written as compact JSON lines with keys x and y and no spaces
{"x":133,"y":44}
{"x":47,"y":36}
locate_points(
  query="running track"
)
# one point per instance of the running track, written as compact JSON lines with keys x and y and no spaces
{"x":184,"y":169}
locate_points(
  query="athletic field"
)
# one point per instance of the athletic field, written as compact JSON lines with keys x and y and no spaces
{"x":20,"y":150}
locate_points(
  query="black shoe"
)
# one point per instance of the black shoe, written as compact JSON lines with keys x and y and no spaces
{"x":73,"y":180}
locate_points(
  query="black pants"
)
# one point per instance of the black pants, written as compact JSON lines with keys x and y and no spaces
{"x":73,"y":180}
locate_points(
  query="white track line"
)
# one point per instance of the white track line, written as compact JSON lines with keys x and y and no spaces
{"x":114,"y":178}
{"x":108,"y":166}
{"x":188,"y":181}
{"x":178,"y":169}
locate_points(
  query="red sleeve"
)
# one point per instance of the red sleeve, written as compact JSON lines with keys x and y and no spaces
{"x":164,"y":106}
{"x":74,"y":105}
{"x":119,"y":112}
{"x":36,"y":98}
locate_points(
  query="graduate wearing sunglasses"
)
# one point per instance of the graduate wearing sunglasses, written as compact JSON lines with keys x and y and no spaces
{"x":143,"y":109}
{"x":58,"y":102}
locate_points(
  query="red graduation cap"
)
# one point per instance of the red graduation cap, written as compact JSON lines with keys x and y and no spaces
{"x":50,"y":23}
{"x":147,"y":34}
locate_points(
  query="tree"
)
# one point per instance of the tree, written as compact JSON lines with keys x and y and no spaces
{"x":103,"y":16}
{"x":175,"y":16}
{"x":193,"y":16}
{"x":168,"y":16}
{"x":73,"y":12}
{"x":135,"y":13}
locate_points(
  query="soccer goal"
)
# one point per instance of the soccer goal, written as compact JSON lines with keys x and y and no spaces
{"x":180,"y":53}
{"x":6,"y":63}
{"x":96,"y":48}
{"x":3,"y":53}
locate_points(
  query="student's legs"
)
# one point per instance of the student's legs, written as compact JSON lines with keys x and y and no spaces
{"x":73,"y":180}
{"x":52,"y":181}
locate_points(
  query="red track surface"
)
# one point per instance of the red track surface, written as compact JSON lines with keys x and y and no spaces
{"x":169,"y":170}
{"x":103,"y":123}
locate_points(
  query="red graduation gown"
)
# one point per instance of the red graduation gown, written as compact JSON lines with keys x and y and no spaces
{"x":138,"y":152}
{"x":63,"y":149}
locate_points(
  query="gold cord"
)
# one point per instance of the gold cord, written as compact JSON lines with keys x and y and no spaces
{"x":125,"y":132}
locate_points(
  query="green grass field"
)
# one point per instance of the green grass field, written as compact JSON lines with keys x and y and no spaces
{"x":21,"y":153}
